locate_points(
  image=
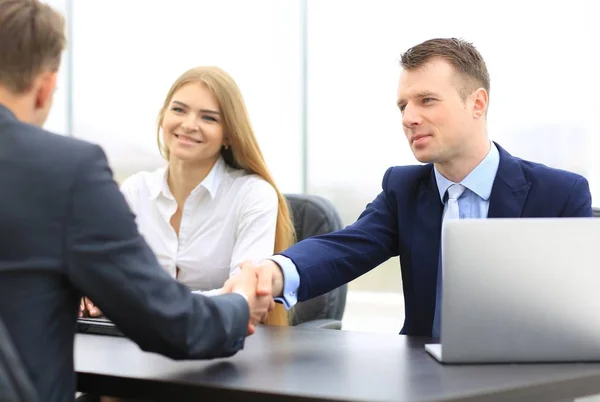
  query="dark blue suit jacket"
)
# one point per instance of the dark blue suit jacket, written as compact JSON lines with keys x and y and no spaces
{"x":405,"y":219}
{"x":66,"y":230}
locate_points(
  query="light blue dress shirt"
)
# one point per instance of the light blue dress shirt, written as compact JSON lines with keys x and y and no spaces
{"x":291,"y":281}
{"x":473,"y":203}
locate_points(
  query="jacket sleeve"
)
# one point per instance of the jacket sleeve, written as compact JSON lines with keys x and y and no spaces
{"x":109,"y":261}
{"x":328,"y":261}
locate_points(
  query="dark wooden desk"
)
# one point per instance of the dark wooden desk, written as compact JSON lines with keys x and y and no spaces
{"x":325,"y":365}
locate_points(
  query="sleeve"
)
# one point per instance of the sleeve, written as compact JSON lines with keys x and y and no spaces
{"x":109,"y":261}
{"x":257,"y":222}
{"x":328,"y":261}
{"x":255,"y":233}
{"x":580,"y":200}
{"x":291,"y":281}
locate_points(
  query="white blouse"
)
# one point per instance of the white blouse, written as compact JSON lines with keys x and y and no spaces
{"x":228,"y":218}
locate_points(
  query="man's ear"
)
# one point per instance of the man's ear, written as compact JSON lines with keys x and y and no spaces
{"x":480,"y":103}
{"x":46,"y":85}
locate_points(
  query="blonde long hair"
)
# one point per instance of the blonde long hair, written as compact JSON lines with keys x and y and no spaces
{"x":243,"y":152}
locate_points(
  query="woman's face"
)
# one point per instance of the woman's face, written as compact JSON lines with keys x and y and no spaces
{"x":192,"y":125}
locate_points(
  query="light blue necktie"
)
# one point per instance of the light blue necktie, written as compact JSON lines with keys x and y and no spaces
{"x":451,"y":212}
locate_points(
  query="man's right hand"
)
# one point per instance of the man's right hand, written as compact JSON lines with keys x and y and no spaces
{"x":269,"y":276}
{"x":245,"y":283}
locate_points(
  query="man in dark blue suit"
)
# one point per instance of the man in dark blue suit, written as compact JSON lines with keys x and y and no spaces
{"x":66,"y":230}
{"x":443,"y":98}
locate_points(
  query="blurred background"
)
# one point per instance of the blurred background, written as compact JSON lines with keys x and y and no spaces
{"x":319,"y":78}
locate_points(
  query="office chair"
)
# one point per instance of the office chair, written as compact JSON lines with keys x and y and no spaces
{"x":15,"y":384}
{"x":312,"y":216}
{"x":596,"y":212}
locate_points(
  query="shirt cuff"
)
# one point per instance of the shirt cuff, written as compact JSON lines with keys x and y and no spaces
{"x":291,"y":280}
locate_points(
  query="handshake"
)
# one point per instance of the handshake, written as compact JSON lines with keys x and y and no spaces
{"x":258,"y":283}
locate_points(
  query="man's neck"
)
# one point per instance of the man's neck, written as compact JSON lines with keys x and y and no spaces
{"x":184,"y":177}
{"x":17,"y":105}
{"x":462,"y":164}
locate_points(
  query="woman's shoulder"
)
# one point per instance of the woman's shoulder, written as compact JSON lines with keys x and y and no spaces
{"x":250,"y":183}
{"x":144,"y":179}
{"x":251,"y":189}
{"x":142,"y":183}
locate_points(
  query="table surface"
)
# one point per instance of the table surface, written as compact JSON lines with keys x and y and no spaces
{"x":326,"y":365}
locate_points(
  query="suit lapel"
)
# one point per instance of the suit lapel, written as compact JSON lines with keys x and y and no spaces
{"x":426,"y":246}
{"x":510,"y":189}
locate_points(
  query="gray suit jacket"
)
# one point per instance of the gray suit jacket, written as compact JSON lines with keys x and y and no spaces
{"x":67,"y":231}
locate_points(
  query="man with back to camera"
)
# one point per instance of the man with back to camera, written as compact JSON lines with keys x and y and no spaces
{"x":443,"y":97}
{"x":67,"y":231}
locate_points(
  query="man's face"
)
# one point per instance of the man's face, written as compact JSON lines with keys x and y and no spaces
{"x":437,"y":121}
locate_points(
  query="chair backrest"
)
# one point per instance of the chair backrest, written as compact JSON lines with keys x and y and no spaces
{"x":314,"y":215}
{"x":15,"y":384}
{"x":596,"y":212}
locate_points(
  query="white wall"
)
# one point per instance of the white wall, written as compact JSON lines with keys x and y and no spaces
{"x":127,"y":53}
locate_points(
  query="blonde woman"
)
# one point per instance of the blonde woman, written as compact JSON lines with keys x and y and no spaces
{"x":215,"y":204}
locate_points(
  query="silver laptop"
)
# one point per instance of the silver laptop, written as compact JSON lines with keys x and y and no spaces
{"x":520,"y":290}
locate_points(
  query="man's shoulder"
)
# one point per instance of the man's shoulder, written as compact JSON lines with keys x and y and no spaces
{"x":552,"y":192}
{"x":34,"y":139}
{"x":542,"y":174}
{"x":61,"y":143}
{"x":45,"y":157}
{"x":406,"y":176}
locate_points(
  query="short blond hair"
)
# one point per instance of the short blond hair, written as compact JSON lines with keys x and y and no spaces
{"x":462,"y":55}
{"x":32,"y":39}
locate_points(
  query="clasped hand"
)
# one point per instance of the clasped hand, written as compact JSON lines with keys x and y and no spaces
{"x":254,"y":281}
